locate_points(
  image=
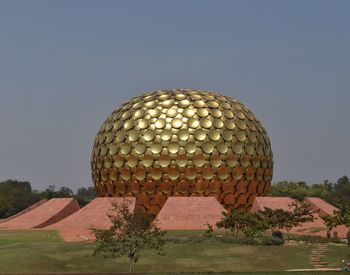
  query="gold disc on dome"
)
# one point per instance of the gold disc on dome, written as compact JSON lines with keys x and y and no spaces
{"x":134,"y":135}
{"x":215,"y":113}
{"x":183,"y":134}
{"x":218,"y":123}
{"x":156,"y":148}
{"x":104,"y":150}
{"x":180,"y":96}
{"x":143,"y":123}
{"x":109,"y":137}
{"x":167,"y":103}
{"x":241,"y":124}
{"x":207,"y":173}
{"x":140,"y":148}
{"x":166,"y":135}
{"x":199,"y":104}
{"x":228,"y":113}
{"x":132,"y":161}
{"x":173,"y":173}
{"x":214,"y":135}
{"x":207,"y":147}
{"x":232,"y":161}
{"x":222,"y":148}
{"x":118,"y":161}
{"x":149,"y":135}
{"x":147,"y":161}
{"x":140,"y":173}
{"x":188,"y":113}
{"x":190,"y":147}
{"x":199,"y":135}
{"x":237,"y":147}
{"x":181,"y":160}
{"x":160,"y":123}
{"x":173,"y":147}
{"x":129,"y":124}
{"x":227,"y":135}
{"x":107,"y":162}
{"x":139,"y":113}
{"x":119,"y":137}
{"x":215,"y":161}
{"x":249,"y":148}
{"x":198,"y":160}
{"x":202,"y":112}
{"x":205,"y":122}
{"x":193,"y":123}
{"x":164,"y":160}
{"x":229,"y":124}
{"x":176,"y":123}
{"x":191,"y":173}
{"x":154,"y":112}
{"x":172,"y":112}
{"x":240,"y":135}
{"x":156,"y":173}
{"x":184,"y":103}
{"x":213,"y":104}
{"x":125,"y":149}
{"x":113,"y":174}
{"x":113,"y":148}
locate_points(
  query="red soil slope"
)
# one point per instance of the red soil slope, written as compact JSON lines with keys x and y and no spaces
{"x":271,"y":202}
{"x":315,"y":228}
{"x":77,"y":226}
{"x":45,"y":214}
{"x":189,"y":213}
{"x":320,"y":206}
{"x":25,"y":210}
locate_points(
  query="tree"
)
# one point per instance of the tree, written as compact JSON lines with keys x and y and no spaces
{"x":242,"y":221}
{"x":130,"y":234}
{"x":85,"y":195}
{"x":279,"y":219}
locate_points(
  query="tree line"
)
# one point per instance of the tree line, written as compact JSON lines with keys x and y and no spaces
{"x":18,"y":195}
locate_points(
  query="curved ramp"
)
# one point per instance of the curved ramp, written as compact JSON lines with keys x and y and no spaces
{"x":76,"y":227}
{"x":35,"y":205}
{"x":45,"y":214}
{"x":271,"y":202}
{"x":320,"y":206}
{"x":189,"y":213}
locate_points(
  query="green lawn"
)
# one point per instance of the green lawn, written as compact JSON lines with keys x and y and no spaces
{"x":42,"y":252}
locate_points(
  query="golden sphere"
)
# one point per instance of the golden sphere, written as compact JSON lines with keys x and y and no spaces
{"x":182,"y":143}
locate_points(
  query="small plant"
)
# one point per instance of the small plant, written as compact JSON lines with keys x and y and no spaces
{"x":130,"y":234}
{"x":209,"y":233}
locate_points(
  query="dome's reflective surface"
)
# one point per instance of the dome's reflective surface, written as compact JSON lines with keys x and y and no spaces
{"x":182,"y":143}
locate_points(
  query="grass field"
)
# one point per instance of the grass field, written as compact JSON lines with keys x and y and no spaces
{"x":42,"y":252}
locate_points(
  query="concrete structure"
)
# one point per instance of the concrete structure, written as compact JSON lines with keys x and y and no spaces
{"x":189,"y":213}
{"x":42,"y":214}
{"x":24,"y":211}
{"x":320,"y":206}
{"x":77,"y":226}
{"x":271,"y":202}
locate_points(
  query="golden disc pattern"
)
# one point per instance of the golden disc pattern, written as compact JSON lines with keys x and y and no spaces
{"x":182,"y":143}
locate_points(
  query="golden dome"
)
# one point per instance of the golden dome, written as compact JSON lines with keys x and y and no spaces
{"x":182,"y":143}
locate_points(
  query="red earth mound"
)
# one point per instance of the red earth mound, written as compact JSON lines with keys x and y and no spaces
{"x":189,"y":213}
{"x":41,"y":215}
{"x":77,"y":226}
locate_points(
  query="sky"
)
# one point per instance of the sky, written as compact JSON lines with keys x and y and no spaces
{"x":65,"y":65}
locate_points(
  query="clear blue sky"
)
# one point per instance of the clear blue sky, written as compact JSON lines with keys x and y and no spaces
{"x":65,"y":65}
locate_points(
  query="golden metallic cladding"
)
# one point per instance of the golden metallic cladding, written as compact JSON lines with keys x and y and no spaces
{"x":182,"y":142}
{"x":176,"y":123}
{"x":160,"y":123}
{"x":199,"y":134}
{"x":183,"y":134}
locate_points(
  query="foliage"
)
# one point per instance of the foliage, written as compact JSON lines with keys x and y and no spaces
{"x":16,"y":196}
{"x":337,"y":193}
{"x":250,"y":224}
{"x":278,"y":219}
{"x":129,"y":234}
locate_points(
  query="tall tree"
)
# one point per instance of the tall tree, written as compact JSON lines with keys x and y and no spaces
{"x":130,"y":234}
